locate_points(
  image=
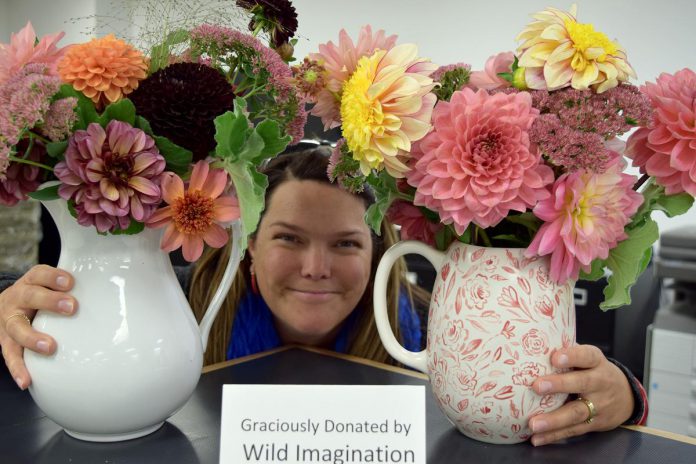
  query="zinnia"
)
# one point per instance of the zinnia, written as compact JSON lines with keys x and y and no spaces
{"x":666,"y":149}
{"x":478,"y":164}
{"x":386,"y":105}
{"x":193,"y":215}
{"x":340,"y":61}
{"x":559,"y":52}
{"x":584,"y":218}
{"x":112,"y":175}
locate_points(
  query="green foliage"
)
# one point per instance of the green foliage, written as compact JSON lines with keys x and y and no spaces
{"x":45,"y":194}
{"x":385,"y":190}
{"x":451,"y":81}
{"x":240,"y":148}
{"x":56,"y":149}
{"x":178,"y":158}
{"x":134,"y":227}
{"x":160,"y":53}
{"x":123,"y":110}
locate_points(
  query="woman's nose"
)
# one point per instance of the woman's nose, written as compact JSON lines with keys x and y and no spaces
{"x":316,"y":263}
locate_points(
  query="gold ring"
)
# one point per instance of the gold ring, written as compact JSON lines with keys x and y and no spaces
{"x":22,"y":315}
{"x":590,"y":409}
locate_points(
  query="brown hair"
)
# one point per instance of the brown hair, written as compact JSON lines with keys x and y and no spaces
{"x":208,"y":270}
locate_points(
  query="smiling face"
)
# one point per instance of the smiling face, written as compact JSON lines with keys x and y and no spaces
{"x":312,"y":255}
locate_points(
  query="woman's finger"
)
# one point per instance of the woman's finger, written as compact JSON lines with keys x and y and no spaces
{"x":578,"y":356}
{"x":561,"y":434}
{"x":31,"y":297}
{"x":12,"y":352}
{"x":49,"y":277}
{"x":569,"y":415}
{"x":21,"y":331}
{"x":580,"y":381}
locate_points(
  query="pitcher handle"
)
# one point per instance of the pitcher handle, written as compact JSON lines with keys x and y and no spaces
{"x":224,"y":287}
{"x":418,"y":360}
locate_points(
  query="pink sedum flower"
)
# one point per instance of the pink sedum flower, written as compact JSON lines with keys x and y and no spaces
{"x":666,"y":149}
{"x":584,"y":218}
{"x":414,"y":225}
{"x":112,"y":175}
{"x":24,"y":49}
{"x":478,"y":164}
{"x":193,"y":215}
{"x":340,"y":61}
{"x":488,"y":79}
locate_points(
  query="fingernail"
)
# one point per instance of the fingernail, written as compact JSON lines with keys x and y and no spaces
{"x":66,"y":306}
{"x":62,"y":281}
{"x":42,"y":346}
{"x":539,"y":425}
{"x":537,"y":441}
{"x":19,"y":382}
{"x":563,"y":360}
{"x":545,"y":386}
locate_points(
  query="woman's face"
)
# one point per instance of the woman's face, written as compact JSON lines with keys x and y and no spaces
{"x":311,"y":256}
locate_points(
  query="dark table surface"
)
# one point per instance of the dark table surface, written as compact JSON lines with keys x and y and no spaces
{"x":192,"y":435}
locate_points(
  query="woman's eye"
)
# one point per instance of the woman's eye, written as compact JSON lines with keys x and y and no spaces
{"x":286,"y":237}
{"x":348,"y":244}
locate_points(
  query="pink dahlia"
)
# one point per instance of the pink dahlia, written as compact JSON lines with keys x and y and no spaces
{"x":666,"y":149}
{"x":340,"y":61}
{"x":193,"y":215}
{"x":478,"y":164}
{"x":584,"y":218}
{"x":488,"y":79}
{"x":112,"y":175}
{"x":25,"y":48}
{"x":414,"y":225}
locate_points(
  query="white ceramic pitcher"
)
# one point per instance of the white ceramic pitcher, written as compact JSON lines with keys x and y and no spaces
{"x":131,"y":355}
{"x":494,"y":319}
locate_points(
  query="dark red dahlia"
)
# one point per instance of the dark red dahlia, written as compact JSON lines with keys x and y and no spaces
{"x":277,"y":17}
{"x":181,"y":101}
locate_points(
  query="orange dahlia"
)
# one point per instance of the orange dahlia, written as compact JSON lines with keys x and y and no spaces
{"x":104,"y":69}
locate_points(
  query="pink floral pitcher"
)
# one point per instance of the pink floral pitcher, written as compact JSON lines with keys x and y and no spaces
{"x":495,"y":317}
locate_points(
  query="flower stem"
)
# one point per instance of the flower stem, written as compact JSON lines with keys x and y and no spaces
{"x":643,"y":179}
{"x":481,"y":233}
{"x":30,"y":162}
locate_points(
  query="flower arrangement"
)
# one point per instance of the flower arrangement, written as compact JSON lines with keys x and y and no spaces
{"x":524,"y":153}
{"x":170,"y":138}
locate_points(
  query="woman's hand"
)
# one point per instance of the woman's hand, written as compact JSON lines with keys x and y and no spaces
{"x":42,"y":287}
{"x":593,"y":378}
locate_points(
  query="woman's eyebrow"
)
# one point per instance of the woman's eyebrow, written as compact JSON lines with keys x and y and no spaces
{"x":296,"y":228}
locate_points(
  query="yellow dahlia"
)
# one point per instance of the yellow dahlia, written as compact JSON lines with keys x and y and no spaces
{"x":557,"y":52}
{"x":385,"y":105}
{"x":104,"y":69}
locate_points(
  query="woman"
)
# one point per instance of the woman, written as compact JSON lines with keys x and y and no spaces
{"x":308,"y":279}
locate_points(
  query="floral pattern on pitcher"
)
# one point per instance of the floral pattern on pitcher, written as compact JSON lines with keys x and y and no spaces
{"x":495,"y":318}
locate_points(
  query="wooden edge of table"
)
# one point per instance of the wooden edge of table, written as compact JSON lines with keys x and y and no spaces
{"x":662,"y":433}
{"x":418,"y":375}
{"x":346,"y":357}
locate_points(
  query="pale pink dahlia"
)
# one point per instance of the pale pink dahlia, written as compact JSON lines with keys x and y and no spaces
{"x":584,"y":218}
{"x":477,"y":164}
{"x":340,"y":61}
{"x":112,"y":175}
{"x":488,"y":79}
{"x":193,"y":215}
{"x":666,"y":149}
{"x":25,"y":48}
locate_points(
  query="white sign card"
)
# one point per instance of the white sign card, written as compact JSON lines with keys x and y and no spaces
{"x":328,"y":424}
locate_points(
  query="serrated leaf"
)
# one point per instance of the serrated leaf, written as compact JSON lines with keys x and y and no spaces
{"x":626,"y":262}
{"x":596,"y":272}
{"x":45,"y":194}
{"x":385,"y":190}
{"x":252,"y":148}
{"x":178,"y":158}
{"x":56,"y":149}
{"x":123,"y":110}
{"x":144,"y":125}
{"x":135,"y":227}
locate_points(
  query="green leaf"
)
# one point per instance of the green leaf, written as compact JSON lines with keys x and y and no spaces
{"x":273,"y":140}
{"x":135,"y":227}
{"x":56,"y":149}
{"x":527,"y":220}
{"x":386,"y":192}
{"x":674,"y":205}
{"x":45,"y":194}
{"x":596,"y":272}
{"x":159,"y":54}
{"x":510,"y":238}
{"x":250,"y":186}
{"x":122,"y":110}
{"x":144,"y":125}
{"x":626,"y":262}
{"x":231,"y":131}
{"x":178,"y":158}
